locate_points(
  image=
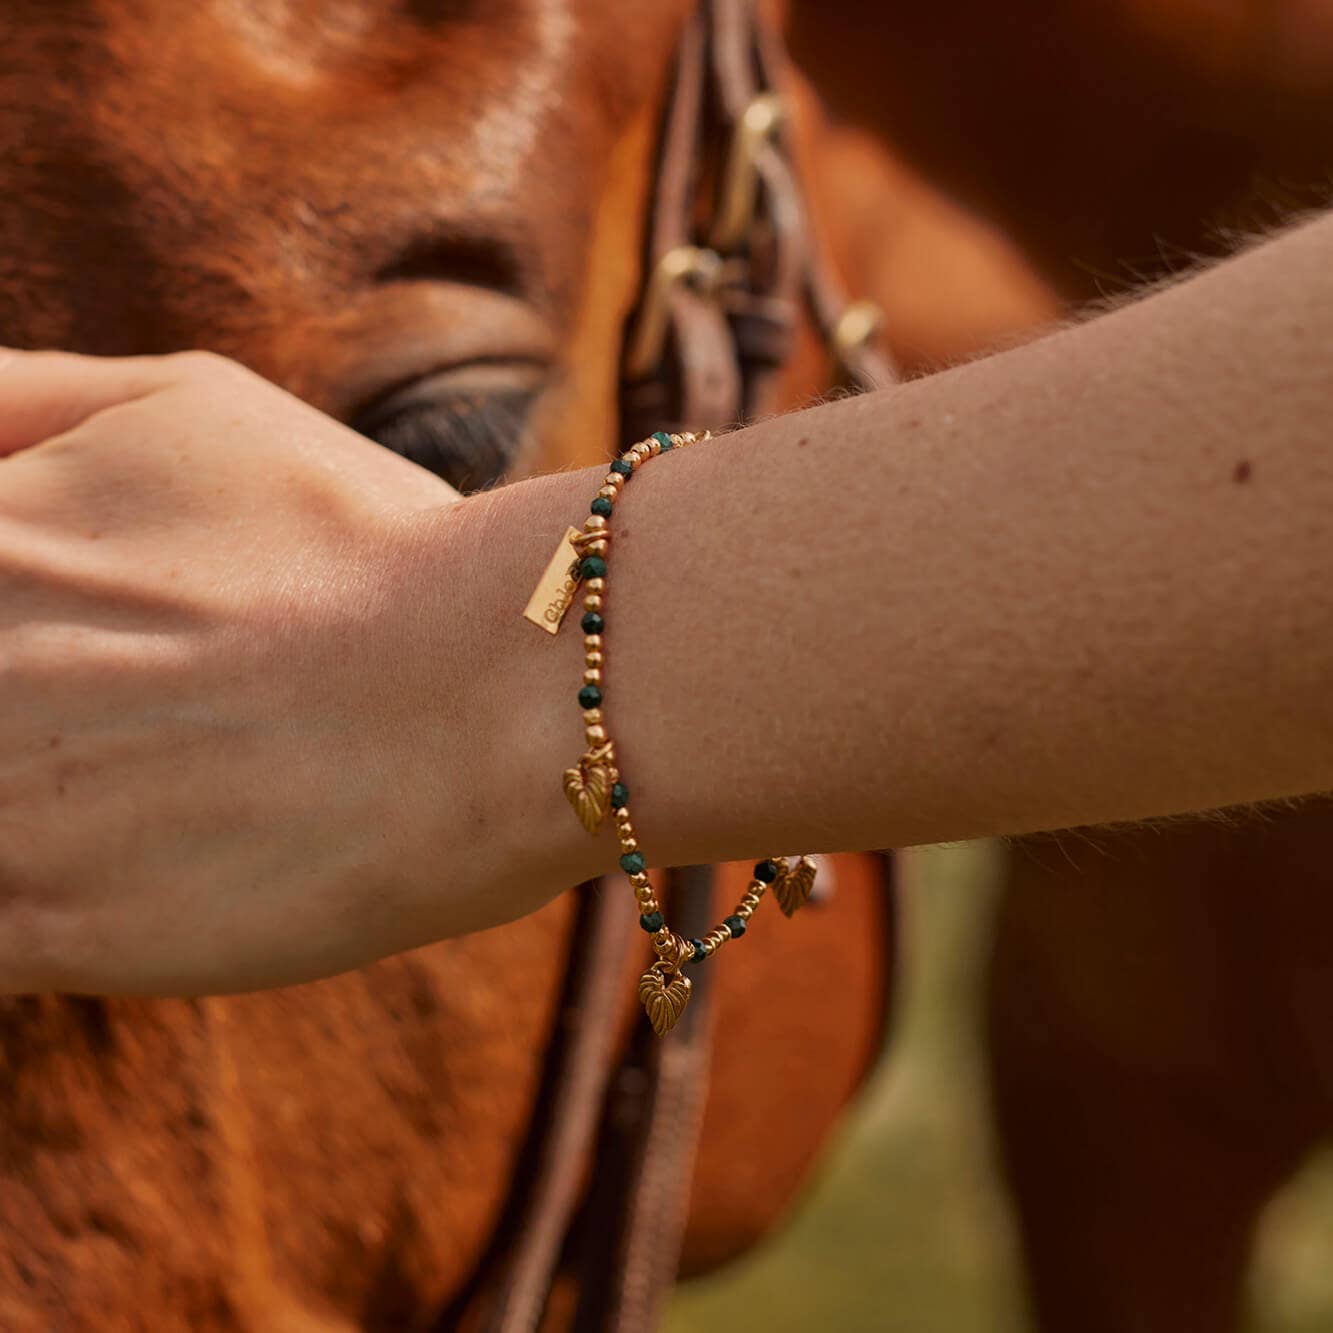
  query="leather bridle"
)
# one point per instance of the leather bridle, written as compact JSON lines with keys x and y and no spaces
{"x":732,"y":267}
{"x":732,"y":261}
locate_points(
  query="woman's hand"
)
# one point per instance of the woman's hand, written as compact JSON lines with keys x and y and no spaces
{"x":237,"y":745}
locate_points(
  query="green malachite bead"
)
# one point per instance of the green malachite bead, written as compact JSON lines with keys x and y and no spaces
{"x":663,"y":439}
{"x":652,"y":922}
{"x":592,"y":623}
{"x":623,"y":466}
{"x":766,"y":871}
{"x":592,"y":567}
{"x":590,"y":697}
{"x":601,"y":505}
{"x":632,"y":863}
{"x":736,"y":925}
{"x":699,"y":953}
{"x":619,"y":795}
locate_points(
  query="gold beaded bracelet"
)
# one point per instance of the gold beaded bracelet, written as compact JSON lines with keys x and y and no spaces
{"x":594,"y":788}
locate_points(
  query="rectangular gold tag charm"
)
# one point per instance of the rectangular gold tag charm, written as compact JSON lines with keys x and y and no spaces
{"x":555,"y":590}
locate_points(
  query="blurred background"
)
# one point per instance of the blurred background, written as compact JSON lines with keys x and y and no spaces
{"x":907,"y":1226}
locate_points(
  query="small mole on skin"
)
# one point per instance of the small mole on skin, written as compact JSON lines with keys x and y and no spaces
{"x":1243,"y":472}
{"x":55,"y":742}
{"x":803,"y":441}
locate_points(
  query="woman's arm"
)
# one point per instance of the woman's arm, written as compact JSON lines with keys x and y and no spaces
{"x":1090,"y":579}
{"x":271,"y":709}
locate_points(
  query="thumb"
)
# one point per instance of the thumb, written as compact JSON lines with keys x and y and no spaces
{"x":44,"y":394}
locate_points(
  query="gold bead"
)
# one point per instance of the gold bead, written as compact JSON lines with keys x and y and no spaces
{"x":622,"y":815}
{"x":596,"y":735}
{"x":595,"y":585}
{"x":594,"y":523}
{"x":593,"y":676}
{"x":593,"y":658}
{"x":640,"y":880}
{"x":592,"y":716}
{"x":593,"y":602}
{"x":628,"y":842}
{"x":599,"y":547}
{"x":592,"y":643}
{"x":646,"y":897}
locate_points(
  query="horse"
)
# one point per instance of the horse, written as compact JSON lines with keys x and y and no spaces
{"x":1158,"y":997}
{"x":427,"y":220}
{"x":363,"y":198}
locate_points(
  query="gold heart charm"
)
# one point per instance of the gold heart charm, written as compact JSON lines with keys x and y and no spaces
{"x":588,"y":787}
{"x":664,"y":1000}
{"x":793,"y":888}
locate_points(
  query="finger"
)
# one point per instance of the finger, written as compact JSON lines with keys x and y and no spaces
{"x":43,"y":394}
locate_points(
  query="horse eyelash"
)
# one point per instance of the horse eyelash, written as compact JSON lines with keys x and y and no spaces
{"x":470,"y":440}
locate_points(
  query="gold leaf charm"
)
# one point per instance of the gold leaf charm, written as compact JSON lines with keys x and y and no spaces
{"x":588,"y":787}
{"x":664,"y":999}
{"x":793,"y":888}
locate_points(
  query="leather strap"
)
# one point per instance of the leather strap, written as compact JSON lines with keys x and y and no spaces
{"x":691,"y":380}
{"x":731,"y":266}
{"x":635,"y":1220}
{"x":722,"y":302}
{"x":578,"y":1091}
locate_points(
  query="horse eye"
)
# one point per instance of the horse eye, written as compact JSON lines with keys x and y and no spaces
{"x":468,"y":439}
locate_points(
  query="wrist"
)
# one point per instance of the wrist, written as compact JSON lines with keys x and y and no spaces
{"x":512,"y":702}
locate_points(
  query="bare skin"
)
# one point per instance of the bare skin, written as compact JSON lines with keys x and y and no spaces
{"x":1082,"y":581}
